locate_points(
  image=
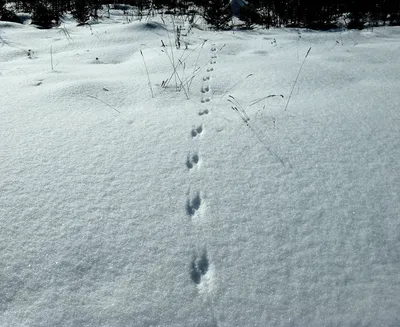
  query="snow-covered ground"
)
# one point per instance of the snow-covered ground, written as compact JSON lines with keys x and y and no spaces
{"x":120,"y":209}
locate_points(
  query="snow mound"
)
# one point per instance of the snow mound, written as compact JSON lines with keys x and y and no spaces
{"x":183,"y":188}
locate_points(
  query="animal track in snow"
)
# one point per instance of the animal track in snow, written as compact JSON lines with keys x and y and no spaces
{"x":206,"y":78}
{"x":210,"y":69}
{"x":205,"y":88}
{"x":213,"y":48}
{"x":204,"y":112}
{"x":205,"y":99}
{"x":214,"y":56}
{"x":199,"y":267}
{"x":196,"y":131}
{"x":212,"y":61}
{"x":193,"y":205}
{"x":192,"y":161}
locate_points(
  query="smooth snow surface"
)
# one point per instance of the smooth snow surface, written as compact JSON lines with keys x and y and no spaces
{"x":119,"y":209}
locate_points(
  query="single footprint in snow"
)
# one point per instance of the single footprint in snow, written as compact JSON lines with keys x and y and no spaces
{"x":196,"y":131}
{"x":193,"y":205}
{"x":203,"y":112}
{"x":205,"y":99}
{"x":199,"y":267}
{"x":193,"y":160}
{"x":205,"y":88}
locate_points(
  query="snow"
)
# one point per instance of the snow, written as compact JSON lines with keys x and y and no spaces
{"x":120,"y":209}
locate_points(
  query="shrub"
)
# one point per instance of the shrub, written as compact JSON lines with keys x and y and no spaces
{"x":394,"y":19}
{"x":356,"y":23}
{"x":218,"y":13}
{"x":81,"y":11}
{"x":43,"y":16}
{"x":249,"y":16}
{"x":9,"y":16}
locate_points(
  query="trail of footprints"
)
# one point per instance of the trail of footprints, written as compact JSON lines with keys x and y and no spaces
{"x":200,"y":264}
{"x":206,"y":87}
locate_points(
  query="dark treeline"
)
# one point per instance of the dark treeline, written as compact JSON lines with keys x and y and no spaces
{"x":322,"y":14}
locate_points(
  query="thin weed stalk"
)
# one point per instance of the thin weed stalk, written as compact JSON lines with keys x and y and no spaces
{"x":93,"y":97}
{"x":297,"y":77}
{"x":239,"y":110}
{"x":236,"y":84}
{"x":186,"y":82}
{"x":198,"y":69}
{"x":177,"y":77}
{"x":197,"y":60}
{"x":148,"y":76}
{"x":264,"y":98}
{"x":51,"y":58}
{"x":183,"y":74}
{"x":67,"y":35}
{"x":174,"y":71}
{"x":173,"y":58}
{"x":298,"y":39}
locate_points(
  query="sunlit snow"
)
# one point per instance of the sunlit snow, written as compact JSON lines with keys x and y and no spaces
{"x":120,"y":209}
